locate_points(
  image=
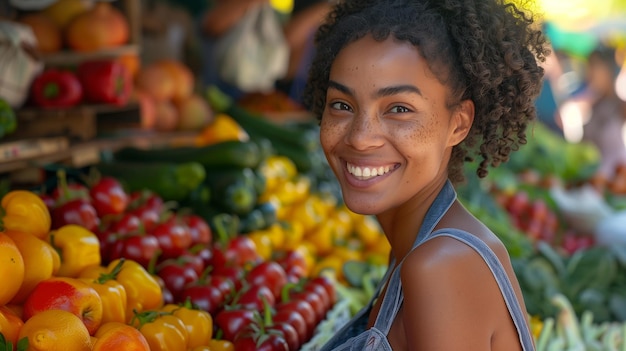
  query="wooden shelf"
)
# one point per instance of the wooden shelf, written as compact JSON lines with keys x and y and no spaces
{"x":70,"y":58}
{"x":82,"y":154}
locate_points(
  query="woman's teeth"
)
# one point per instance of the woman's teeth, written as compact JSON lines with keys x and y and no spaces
{"x":365,"y":173}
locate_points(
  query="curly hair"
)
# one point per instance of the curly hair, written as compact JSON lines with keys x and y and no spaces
{"x":486,"y":51}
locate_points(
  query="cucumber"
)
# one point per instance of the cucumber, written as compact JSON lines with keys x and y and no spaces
{"x":233,"y":190}
{"x":257,"y":126}
{"x":231,"y":153}
{"x":171,"y":181}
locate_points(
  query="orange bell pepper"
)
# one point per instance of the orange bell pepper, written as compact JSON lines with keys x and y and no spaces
{"x":24,"y":211}
{"x":79,"y":248}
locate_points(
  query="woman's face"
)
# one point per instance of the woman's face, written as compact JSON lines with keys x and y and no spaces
{"x":386,"y":129}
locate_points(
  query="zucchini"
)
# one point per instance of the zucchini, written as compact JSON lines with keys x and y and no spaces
{"x":257,"y":126}
{"x":171,"y":181}
{"x":233,"y":190}
{"x":231,"y":153}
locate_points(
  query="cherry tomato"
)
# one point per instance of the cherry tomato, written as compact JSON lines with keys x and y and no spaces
{"x":260,"y":342}
{"x":328,"y":285}
{"x":199,"y":229}
{"x":77,"y":211}
{"x":294,"y":318}
{"x":255,"y":297}
{"x":128,"y":223}
{"x":108,"y":196}
{"x":233,"y":320}
{"x":304,"y":309}
{"x":289,"y":333}
{"x":270,"y":274}
{"x":136,"y":247}
{"x":208,"y":294}
{"x":176,"y":275}
{"x":239,"y":251}
{"x":174,"y":238}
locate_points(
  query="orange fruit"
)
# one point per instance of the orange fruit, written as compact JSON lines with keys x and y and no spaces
{"x":10,"y":325}
{"x":119,"y":336}
{"x":41,"y":261}
{"x":53,"y":330}
{"x":11,"y":268}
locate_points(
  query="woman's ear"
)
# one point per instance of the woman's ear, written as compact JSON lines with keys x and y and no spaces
{"x":462,"y":120}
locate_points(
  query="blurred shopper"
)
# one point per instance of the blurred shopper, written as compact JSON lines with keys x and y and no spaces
{"x":605,"y":127}
{"x":223,"y":15}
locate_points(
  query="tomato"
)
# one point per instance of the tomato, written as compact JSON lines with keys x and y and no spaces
{"x":200,"y":230}
{"x":289,"y":334}
{"x":270,"y":274}
{"x":328,"y":285}
{"x":174,"y":238}
{"x":176,"y":275}
{"x":136,"y":247}
{"x":233,"y":320}
{"x":208,"y":293}
{"x":77,"y":211}
{"x":128,"y":223}
{"x":304,"y":309}
{"x":233,"y":273}
{"x":294,"y":263}
{"x":108,"y":197}
{"x":148,"y":207}
{"x":320,"y":291}
{"x":293,"y":318}
{"x":67,"y":191}
{"x":255,"y":297}
{"x":239,"y":251}
{"x":260,"y":342}
{"x":314,"y":299}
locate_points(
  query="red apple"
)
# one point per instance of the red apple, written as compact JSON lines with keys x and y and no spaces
{"x":69,"y":294}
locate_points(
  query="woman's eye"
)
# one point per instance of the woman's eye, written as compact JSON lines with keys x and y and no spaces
{"x":340,"y":106}
{"x":400,"y":109}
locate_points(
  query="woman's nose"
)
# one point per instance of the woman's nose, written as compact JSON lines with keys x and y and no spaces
{"x":365,"y":132}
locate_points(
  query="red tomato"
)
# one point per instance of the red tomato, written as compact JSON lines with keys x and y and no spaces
{"x":174,"y":238}
{"x":136,"y":247}
{"x":249,"y":340}
{"x":239,"y":251}
{"x":232,"y":321}
{"x":176,"y":275}
{"x":328,"y":285}
{"x":77,"y":211}
{"x":199,"y":228}
{"x":255,"y":297}
{"x":305,"y":310}
{"x":270,"y":274}
{"x":294,"y":318}
{"x":108,"y":197}
{"x":127,"y":224}
{"x":289,"y":333}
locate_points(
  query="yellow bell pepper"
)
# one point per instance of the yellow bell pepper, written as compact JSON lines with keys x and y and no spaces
{"x":199,"y":324}
{"x":112,"y":293}
{"x":222,"y":128}
{"x":24,"y":211}
{"x":143,"y":291}
{"x":79,"y":248}
{"x":162,"y":330}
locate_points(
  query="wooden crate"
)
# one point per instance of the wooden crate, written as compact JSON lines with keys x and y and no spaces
{"x":77,"y":123}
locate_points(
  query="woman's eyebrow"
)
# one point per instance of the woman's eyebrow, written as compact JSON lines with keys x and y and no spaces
{"x":393,"y":90}
{"x":382,"y":92}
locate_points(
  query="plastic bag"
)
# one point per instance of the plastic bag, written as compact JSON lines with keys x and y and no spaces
{"x":582,"y":208}
{"x":253,"y":54}
{"x":19,"y":63}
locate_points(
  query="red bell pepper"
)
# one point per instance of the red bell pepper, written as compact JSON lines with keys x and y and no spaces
{"x":105,"y":81}
{"x":56,"y":88}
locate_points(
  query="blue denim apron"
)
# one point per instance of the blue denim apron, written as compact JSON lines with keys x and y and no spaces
{"x":355,"y":335}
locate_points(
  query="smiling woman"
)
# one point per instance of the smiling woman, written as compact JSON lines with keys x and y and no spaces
{"x":406,"y":92}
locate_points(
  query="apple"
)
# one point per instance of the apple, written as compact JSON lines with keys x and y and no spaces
{"x":194,"y":112}
{"x":69,"y":294}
